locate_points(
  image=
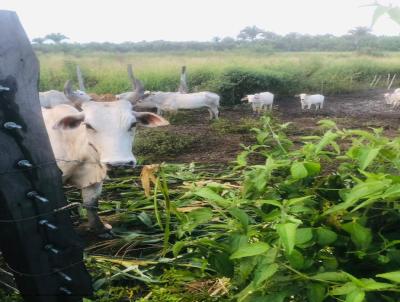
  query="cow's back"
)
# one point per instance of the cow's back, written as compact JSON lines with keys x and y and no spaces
{"x":52,"y":98}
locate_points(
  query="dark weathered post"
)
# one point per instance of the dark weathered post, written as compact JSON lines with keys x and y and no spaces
{"x":36,"y":234}
{"x":183,"y":86}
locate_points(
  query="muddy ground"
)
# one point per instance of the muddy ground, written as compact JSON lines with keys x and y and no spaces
{"x":358,"y":110}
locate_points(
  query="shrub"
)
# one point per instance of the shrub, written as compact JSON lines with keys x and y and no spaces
{"x":237,"y":82}
{"x":159,"y":143}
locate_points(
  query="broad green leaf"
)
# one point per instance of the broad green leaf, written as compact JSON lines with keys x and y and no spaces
{"x":143,"y":217}
{"x":99,"y":283}
{"x":176,"y":249}
{"x":355,"y":296}
{"x":331,"y":276}
{"x":392,"y":192}
{"x":366,"y":156}
{"x":325,"y":236}
{"x":249,"y":250}
{"x":303,"y":235}
{"x":365,"y":189}
{"x":360,"y":235}
{"x":287,"y":234}
{"x":237,"y":241}
{"x":380,"y":10}
{"x":316,"y":292}
{"x":242,"y":158}
{"x":392,"y":276}
{"x":328,"y":137}
{"x":194,"y":219}
{"x":372,"y":285}
{"x":298,"y":171}
{"x":241,"y":216}
{"x":312,"y":168}
{"x":222,"y":264}
{"x":296,"y":259}
{"x":271,"y":202}
{"x":298,"y":200}
{"x":210,"y":195}
{"x":343,"y":289}
{"x":360,"y":191}
{"x":327,"y":123}
{"x":263,"y":273}
{"x":277,"y":297}
{"x":394,"y":14}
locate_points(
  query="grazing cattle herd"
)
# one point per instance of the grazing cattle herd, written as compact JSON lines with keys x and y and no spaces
{"x":89,"y":136}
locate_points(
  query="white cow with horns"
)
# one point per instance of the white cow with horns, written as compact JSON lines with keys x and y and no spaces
{"x":75,"y":98}
{"x":173,"y":101}
{"x":86,"y":142}
{"x":51,"y":98}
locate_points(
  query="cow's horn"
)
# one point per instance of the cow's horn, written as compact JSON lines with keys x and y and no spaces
{"x":80,"y":79}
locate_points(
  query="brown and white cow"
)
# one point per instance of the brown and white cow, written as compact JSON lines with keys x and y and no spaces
{"x":86,"y":142}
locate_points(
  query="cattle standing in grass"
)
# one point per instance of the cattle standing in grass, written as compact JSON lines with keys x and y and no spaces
{"x":173,"y":101}
{"x":85,"y":143}
{"x":260,"y":101}
{"x":51,"y":98}
{"x":311,"y":99}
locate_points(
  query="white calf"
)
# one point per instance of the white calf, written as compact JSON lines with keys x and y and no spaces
{"x":393,"y":99}
{"x":314,"y":99}
{"x":260,"y":101}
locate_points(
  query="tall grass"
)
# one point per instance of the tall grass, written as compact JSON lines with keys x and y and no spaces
{"x":231,"y":74}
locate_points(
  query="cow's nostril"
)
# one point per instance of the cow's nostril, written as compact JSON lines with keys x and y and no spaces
{"x":115,"y":164}
{"x":132,"y":163}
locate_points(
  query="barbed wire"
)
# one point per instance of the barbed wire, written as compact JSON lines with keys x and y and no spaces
{"x":69,"y":206}
{"x":99,"y":163}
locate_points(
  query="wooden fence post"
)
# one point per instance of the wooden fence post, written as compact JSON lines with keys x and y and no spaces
{"x":36,"y":234}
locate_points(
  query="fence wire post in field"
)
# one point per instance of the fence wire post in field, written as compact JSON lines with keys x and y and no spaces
{"x":377,"y":81}
{"x":373,"y":81}
{"x":391,"y":82}
{"x":37,"y":240}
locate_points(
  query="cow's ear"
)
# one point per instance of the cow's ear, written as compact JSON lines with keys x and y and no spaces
{"x":70,"y":121}
{"x":149,"y":119}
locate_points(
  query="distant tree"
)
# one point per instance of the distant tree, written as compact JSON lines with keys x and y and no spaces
{"x":250,"y":33}
{"x":269,"y":36}
{"x":216,"y":39}
{"x":56,"y":37}
{"x":360,"y":34}
{"x":38,"y":40}
{"x":360,"y":31}
{"x":228,"y":40}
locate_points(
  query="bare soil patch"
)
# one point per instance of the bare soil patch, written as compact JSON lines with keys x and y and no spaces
{"x":358,"y":110}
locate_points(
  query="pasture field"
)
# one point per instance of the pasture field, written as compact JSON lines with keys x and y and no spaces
{"x":298,"y":206}
{"x":300,"y":212}
{"x":230,"y":74}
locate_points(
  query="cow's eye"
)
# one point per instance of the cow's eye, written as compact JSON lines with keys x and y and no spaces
{"x":133,"y":125}
{"x":88,"y":126}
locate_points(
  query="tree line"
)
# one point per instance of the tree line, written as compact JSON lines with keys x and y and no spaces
{"x":250,"y":38}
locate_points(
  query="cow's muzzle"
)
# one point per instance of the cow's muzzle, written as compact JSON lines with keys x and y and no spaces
{"x":129,"y":164}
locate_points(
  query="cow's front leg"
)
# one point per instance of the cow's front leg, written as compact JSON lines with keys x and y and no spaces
{"x":90,"y":196}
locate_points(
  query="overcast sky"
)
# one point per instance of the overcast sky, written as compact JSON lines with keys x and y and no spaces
{"x":183,"y":20}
